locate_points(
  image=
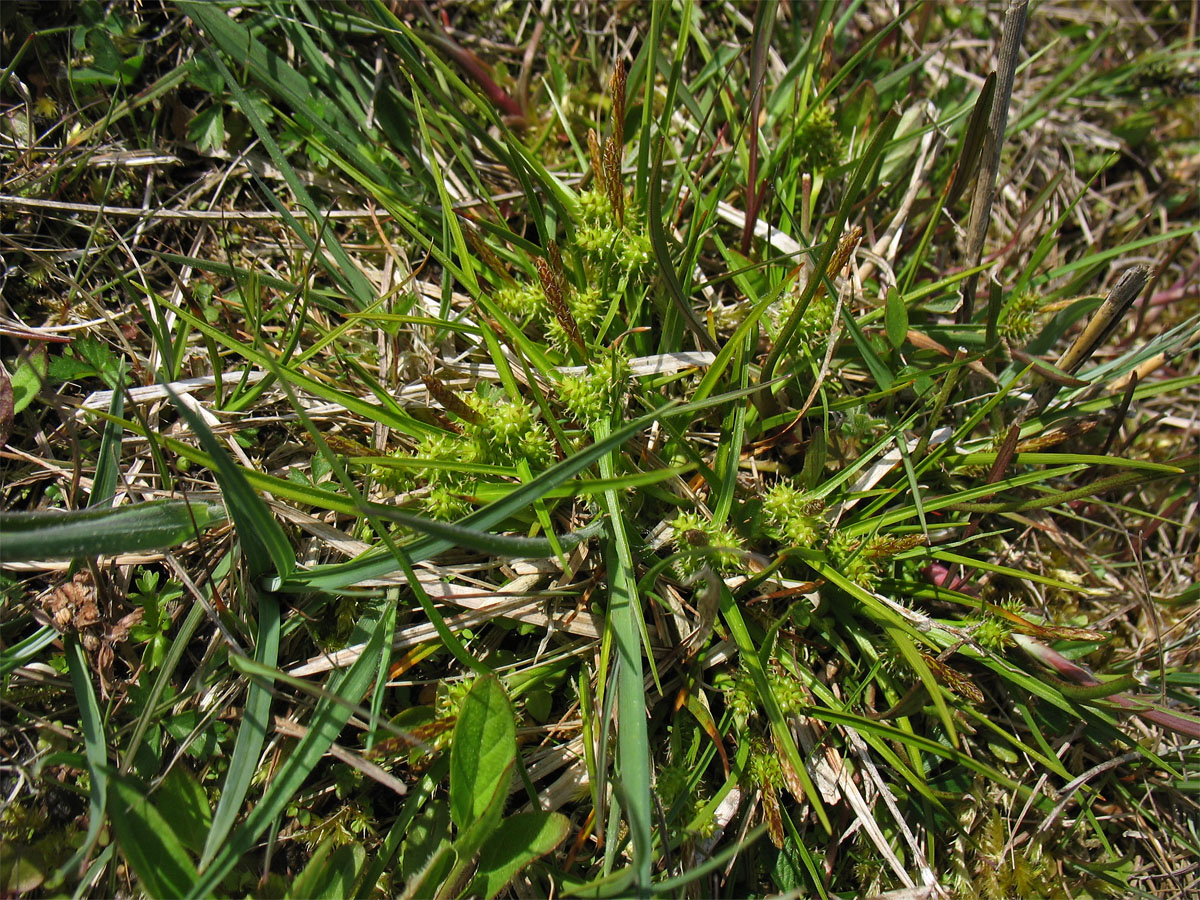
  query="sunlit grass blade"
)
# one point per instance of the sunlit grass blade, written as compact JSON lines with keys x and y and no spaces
{"x":108,"y":466}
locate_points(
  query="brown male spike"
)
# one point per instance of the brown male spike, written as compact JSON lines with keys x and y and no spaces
{"x":845,"y":250}
{"x":612,"y":175}
{"x":616,"y":90}
{"x":450,"y":401}
{"x":550,"y":273}
{"x":597,"y":162}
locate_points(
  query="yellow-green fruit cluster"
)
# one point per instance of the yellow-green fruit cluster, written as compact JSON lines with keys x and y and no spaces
{"x":794,"y":517}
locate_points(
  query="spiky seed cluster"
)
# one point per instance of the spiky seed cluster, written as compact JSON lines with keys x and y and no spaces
{"x":674,"y":785}
{"x":787,"y":690}
{"x":1018,"y":318}
{"x":584,"y":308}
{"x":495,"y":431}
{"x":585,"y":398}
{"x":670,"y":780}
{"x":521,"y":301}
{"x":819,"y":140}
{"x":991,"y":633}
{"x":767,"y":774}
{"x":439,"y":447}
{"x":764,"y":765}
{"x":395,"y":480}
{"x":448,"y":490}
{"x":443,"y":502}
{"x":738,"y":690}
{"x":592,"y":395}
{"x":594,"y":208}
{"x":636,"y":251}
{"x":718,"y":546}
{"x":507,"y":431}
{"x":794,"y":517}
{"x":814,"y":325}
{"x":602,"y":239}
{"x":846,"y":553}
{"x":597,"y":240}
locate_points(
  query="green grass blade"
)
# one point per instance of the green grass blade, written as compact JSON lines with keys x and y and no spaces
{"x":252,"y":732}
{"x":95,"y":747}
{"x":780,"y":728}
{"x":866,"y":165}
{"x":78,"y":534}
{"x":633,"y":742}
{"x":108,"y":464}
{"x":148,"y":842}
{"x":264,"y":544}
{"x":327,"y":720}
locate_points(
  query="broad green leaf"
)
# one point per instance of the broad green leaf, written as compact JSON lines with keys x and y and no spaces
{"x":519,"y":841}
{"x":184,"y":806}
{"x":22,"y":868}
{"x":483,"y":750}
{"x":421,"y":828}
{"x":468,"y":841}
{"x":896,"y":319}
{"x":330,"y":873}
{"x":207,"y":129}
{"x":628,"y":631}
{"x":148,"y":843}
{"x":28,"y":379}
